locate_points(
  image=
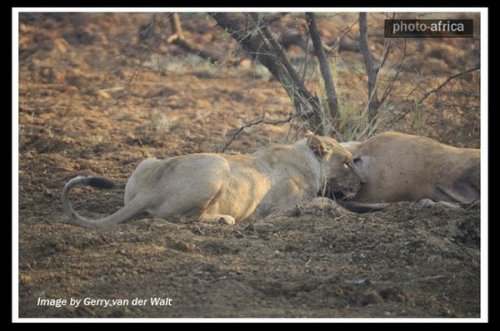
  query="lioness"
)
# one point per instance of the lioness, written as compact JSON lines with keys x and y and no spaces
{"x":227,"y":188}
{"x":403,"y":167}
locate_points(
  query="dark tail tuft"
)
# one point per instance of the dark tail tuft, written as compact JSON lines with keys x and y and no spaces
{"x":100,"y":182}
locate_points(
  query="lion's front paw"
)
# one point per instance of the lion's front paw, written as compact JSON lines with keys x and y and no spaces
{"x":226,"y":219}
{"x":217,"y":218}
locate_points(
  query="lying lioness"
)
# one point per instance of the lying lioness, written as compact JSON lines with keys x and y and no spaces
{"x":403,"y":167}
{"x":226,"y":188}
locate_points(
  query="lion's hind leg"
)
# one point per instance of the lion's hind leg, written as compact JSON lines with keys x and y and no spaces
{"x":186,"y":186}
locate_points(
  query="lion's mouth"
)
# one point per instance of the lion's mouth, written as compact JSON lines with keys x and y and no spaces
{"x":340,"y":195}
{"x":341,"y":192}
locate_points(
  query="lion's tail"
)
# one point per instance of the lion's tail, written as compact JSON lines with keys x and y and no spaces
{"x":362,"y":207}
{"x":128,"y":211}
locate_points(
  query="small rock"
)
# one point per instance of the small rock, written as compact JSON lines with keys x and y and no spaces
{"x":371,"y":297}
{"x":60,"y":45}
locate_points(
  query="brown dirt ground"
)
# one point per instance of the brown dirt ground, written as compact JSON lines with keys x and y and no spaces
{"x":79,"y":116}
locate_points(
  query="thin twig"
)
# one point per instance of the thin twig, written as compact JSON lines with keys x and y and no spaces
{"x":440,"y":86}
{"x":177,"y":38}
{"x":387,"y":48}
{"x":302,"y":96}
{"x":259,"y":120}
{"x":306,"y":59}
{"x":264,"y":47}
{"x":290,"y":69}
{"x":271,"y":19}
{"x":343,"y":34}
{"x":146,"y":56}
{"x":324,"y":66}
{"x":427,"y":94}
{"x":373,"y":73}
{"x":390,"y":86}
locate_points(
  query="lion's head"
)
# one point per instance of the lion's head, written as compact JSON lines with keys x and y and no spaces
{"x":343,"y":178}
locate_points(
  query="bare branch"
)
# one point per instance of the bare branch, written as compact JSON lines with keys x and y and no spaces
{"x":263,"y":47}
{"x":271,"y":19}
{"x":324,"y":66}
{"x":257,"y":49}
{"x":390,"y":86}
{"x":259,"y":120}
{"x":145,"y":32}
{"x":175,"y":23}
{"x":306,"y":60}
{"x":279,"y":50}
{"x":440,"y":86}
{"x":370,"y":68}
{"x":427,"y":94}
{"x":178,"y":39}
{"x":387,"y":48}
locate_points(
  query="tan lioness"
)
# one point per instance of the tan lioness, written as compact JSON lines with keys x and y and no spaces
{"x":403,"y":167}
{"x":228,"y":188}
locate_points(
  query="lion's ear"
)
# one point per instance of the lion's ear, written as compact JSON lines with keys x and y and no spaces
{"x":317,"y":146}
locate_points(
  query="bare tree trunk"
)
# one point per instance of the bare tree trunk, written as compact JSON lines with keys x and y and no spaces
{"x":263,"y":47}
{"x":324,"y":66}
{"x":370,"y":68}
